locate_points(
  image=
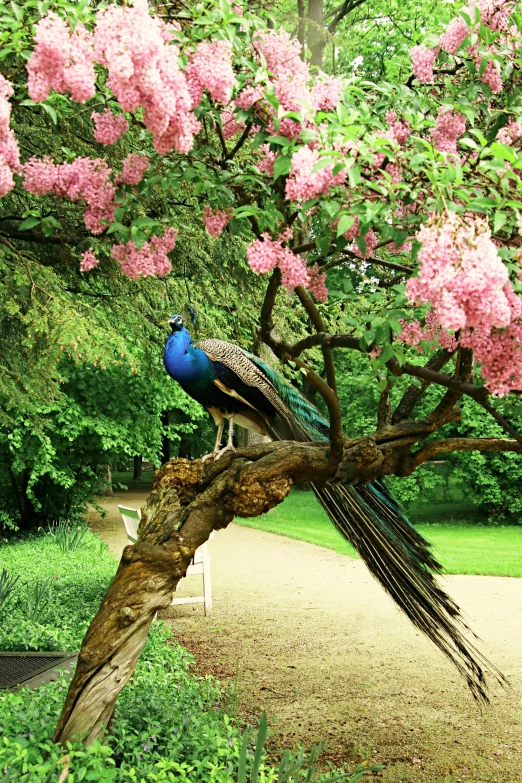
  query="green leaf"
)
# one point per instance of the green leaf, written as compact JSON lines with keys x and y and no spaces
{"x":345,"y":224}
{"x":281,"y":141}
{"x":500,"y":219}
{"x":144,"y":222}
{"x":482,"y":203}
{"x":51,"y":111}
{"x":282,"y":166}
{"x":115,"y":227}
{"x":28,"y":223}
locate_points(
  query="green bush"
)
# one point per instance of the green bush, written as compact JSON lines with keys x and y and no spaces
{"x":76,"y":583}
{"x":169,"y":725}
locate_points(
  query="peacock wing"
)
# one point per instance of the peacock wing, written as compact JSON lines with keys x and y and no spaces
{"x":243,"y":379}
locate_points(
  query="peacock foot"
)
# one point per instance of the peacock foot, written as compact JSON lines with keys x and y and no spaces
{"x":211,"y":455}
{"x":223,"y":451}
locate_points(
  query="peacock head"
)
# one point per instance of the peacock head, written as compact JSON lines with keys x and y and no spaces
{"x":176,"y":323}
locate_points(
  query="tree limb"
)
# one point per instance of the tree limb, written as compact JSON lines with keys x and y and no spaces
{"x":462,"y":444}
{"x":413,"y":394}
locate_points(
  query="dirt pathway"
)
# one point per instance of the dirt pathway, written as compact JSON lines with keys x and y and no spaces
{"x":307,"y":635}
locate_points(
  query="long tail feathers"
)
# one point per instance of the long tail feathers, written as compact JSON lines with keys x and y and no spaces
{"x":395,"y":553}
{"x":400,"y":559}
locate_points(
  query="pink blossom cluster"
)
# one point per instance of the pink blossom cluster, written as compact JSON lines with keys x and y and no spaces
{"x":456,"y":32}
{"x":352,"y":231}
{"x":266,"y":254}
{"x":511,"y":133}
{"x":266,"y":164}
{"x":62,"y":61}
{"x":414,"y":332}
{"x":215,"y":220}
{"x":448,"y":127}
{"x":499,"y":351}
{"x":291,"y":79}
{"x":144,"y":71}
{"x":399,"y":129}
{"x":248,"y":96}
{"x":9,"y":151}
{"x":230,"y":126}
{"x":210,"y":68}
{"x":423,"y":62}
{"x":150,"y":259}
{"x":317,"y":284}
{"x":88,"y":261}
{"x":495,"y":13}
{"x":134,"y":167}
{"x":371,"y":240}
{"x":492,"y":77}
{"x":461,"y":275}
{"x":303,"y":182}
{"x":326,"y":92}
{"x":85,"y":179}
{"x":109,"y":127}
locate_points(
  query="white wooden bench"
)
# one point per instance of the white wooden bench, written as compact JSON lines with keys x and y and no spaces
{"x":200,"y":563}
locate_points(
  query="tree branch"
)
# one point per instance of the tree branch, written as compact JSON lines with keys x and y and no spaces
{"x":462,"y":444}
{"x":413,"y":394}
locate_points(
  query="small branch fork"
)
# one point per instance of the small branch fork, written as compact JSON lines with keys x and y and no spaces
{"x":457,"y":385}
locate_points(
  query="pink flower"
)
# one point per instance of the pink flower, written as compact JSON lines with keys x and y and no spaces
{"x":448,"y":127}
{"x":317,"y":283}
{"x":461,"y":275}
{"x":455,"y":33}
{"x":371,"y":240}
{"x":144,"y":71}
{"x":216,"y":219}
{"x":109,"y":127}
{"x":265,"y":254}
{"x":134,"y":167}
{"x":9,"y":150}
{"x":85,"y":179}
{"x":492,"y":78}
{"x":327,"y":92}
{"x":423,"y":60}
{"x":247,"y":97}
{"x":399,"y":129}
{"x":210,"y":68}
{"x":150,"y":259}
{"x":266,"y":164}
{"x":229,"y":124}
{"x":62,"y":61}
{"x":303,"y":182}
{"x":375,"y":353}
{"x":88,"y":262}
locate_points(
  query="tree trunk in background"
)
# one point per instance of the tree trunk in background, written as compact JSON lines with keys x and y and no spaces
{"x":301,"y":27}
{"x":316,"y":33}
{"x":165,"y":446}
{"x":107,"y":492}
{"x":183,"y":448}
{"x":138,"y":465}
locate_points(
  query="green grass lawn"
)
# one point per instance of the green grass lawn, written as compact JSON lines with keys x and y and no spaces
{"x":461,"y":548}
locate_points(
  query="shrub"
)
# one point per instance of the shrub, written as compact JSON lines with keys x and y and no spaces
{"x":169,"y":724}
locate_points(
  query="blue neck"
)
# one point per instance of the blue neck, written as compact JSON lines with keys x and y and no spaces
{"x":188,"y":365}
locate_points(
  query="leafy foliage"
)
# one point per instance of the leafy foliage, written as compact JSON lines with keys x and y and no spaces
{"x":170,"y":724}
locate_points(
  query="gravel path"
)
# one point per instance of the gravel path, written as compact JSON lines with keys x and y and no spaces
{"x":309,"y":636}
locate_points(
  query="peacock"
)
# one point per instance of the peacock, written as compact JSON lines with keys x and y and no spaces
{"x":232,"y":383}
